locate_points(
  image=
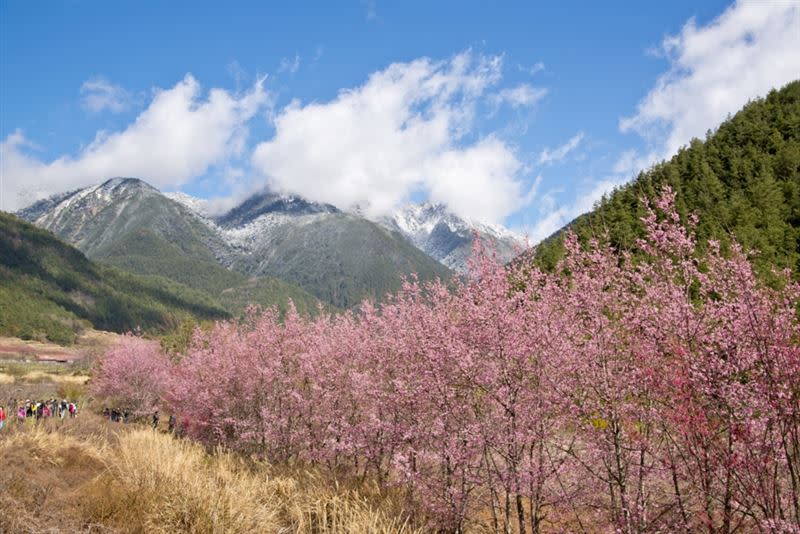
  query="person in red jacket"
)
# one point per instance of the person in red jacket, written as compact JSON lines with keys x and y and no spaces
{"x":2,"y":417}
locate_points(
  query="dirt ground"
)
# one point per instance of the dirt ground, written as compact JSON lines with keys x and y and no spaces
{"x":90,"y":341}
{"x":35,"y":370}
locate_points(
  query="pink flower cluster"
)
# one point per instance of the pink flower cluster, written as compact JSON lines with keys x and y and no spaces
{"x":648,"y":392}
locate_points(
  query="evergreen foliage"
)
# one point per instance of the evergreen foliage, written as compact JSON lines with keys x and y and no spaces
{"x":146,"y":253}
{"x":744,"y":179}
{"x":50,"y":290}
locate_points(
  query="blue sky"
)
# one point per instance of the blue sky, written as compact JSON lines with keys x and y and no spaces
{"x":521,"y":113}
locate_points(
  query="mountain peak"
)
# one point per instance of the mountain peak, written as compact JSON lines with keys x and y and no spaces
{"x":266,"y":202}
{"x":95,"y":218}
{"x":106,"y":191}
{"x":448,"y":237}
{"x":126,"y":183}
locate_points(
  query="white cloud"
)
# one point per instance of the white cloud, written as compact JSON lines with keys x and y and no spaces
{"x":714,"y":70}
{"x":559,"y":153}
{"x":290,"y":65}
{"x":177,"y":138}
{"x":372,"y":9}
{"x":554,"y":219}
{"x":478,"y":181}
{"x":402,"y":131}
{"x":524,"y":95}
{"x":533,"y":69}
{"x":98,"y":94}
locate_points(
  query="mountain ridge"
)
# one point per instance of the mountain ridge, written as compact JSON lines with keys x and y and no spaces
{"x":285,"y":237}
{"x":432,"y":228}
{"x":449,"y":238}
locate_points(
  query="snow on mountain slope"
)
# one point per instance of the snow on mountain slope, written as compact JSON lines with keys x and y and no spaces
{"x":431,"y":228}
{"x":337,"y":255}
{"x":449,"y":238}
{"x":88,"y":199}
{"x":255,"y":220}
{"x":197,"y":205}
{"x":250,"y":235}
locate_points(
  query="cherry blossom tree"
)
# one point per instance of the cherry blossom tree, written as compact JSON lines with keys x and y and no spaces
{"x":133,"y":374}
{"x":650,"y":390}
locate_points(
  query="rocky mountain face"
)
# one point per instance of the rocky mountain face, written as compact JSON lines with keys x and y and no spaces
{"x":449,"y":238}
{"x":97,"y":219}
{"x":339,"y":258}
{"x":432,"y":228}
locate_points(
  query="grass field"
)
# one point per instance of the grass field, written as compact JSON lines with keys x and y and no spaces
{"x":89,"y":475}
{"x":38,"y":371}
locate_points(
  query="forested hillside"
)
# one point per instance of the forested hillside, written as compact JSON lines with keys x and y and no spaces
{"x":744,"y":179}
{"x":50,"y":290}
{"x":146,"y":253}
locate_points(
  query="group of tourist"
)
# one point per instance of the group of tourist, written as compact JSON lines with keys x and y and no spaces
{"x":116,"y":415}
{"x":37,"y":410}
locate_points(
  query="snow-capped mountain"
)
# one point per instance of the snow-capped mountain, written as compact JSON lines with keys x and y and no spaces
{"x":95,"y":218}
{"x":432,"y":228}
{"x":338,"y":257}
{"x":197,"y":205}
{"x":447,"y":237}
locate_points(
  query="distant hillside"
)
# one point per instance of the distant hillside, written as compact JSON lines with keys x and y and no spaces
{"x":743,"y":179}
{"x":144,"y":252}
{"x":49,"y":289}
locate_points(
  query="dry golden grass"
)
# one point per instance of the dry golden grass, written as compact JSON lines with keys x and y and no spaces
{"x":79,"y":477}
{"x":41,"y":376}
{"x":311,"y":502}
{"x":34,"y":380}
{"x":13,"y":347}
{"x":156,"y":484}
{"x":42,"y":471}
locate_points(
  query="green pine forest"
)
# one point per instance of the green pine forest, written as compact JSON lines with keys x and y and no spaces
{"x":143,"y":252}
{"x":50,"y":291}
{"x":743,"y":180}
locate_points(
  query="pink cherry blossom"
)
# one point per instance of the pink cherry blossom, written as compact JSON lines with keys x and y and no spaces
{"x":651,"y":390}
